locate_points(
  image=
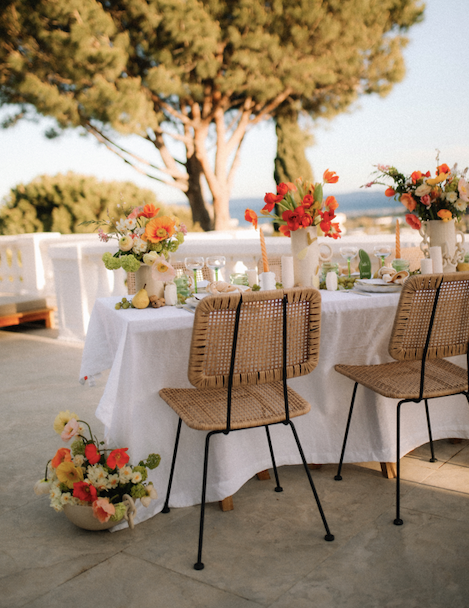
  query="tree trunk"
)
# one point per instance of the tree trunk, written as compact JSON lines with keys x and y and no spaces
{"x":195,"y":196}
{"x":221,"y":209}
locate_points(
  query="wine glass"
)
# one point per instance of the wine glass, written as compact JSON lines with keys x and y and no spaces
{"x":382,"y":252}
{"x":348,"y":253}
{"x":215,"y":262}
{"x":194,"y":263}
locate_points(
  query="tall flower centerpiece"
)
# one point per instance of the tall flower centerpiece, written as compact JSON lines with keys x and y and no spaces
{"x":145,"y":241}
{"x":433,"y":203}
{"x":88,"y":475}
{"x":301,"y":209}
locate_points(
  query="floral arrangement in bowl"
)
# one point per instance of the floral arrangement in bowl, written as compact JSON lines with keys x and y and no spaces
{"x":300,"y":205}
{"x":87,"y":474}
{"x":442,"y":197}
{"x":142,"y":237}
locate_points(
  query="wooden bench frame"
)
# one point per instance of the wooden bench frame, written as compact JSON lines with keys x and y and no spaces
{"x":42,"y":314}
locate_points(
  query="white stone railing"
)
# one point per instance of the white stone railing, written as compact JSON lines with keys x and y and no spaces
{"x":71,"y":267}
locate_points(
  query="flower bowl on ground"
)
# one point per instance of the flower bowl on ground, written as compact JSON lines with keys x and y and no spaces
{"x":86,"y":474}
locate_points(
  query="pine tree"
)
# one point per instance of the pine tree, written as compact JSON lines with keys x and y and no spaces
{"x":199,"y":73}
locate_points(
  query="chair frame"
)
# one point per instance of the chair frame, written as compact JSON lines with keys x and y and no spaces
{"x":199,"y":565}
{"x":398,"y":520}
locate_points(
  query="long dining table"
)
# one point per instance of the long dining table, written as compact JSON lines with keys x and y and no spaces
{"x":147,"y":350}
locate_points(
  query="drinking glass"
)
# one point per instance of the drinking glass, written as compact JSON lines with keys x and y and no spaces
{"x":348,"y":253}
{"x":215,"y":262}
{"x":194,"y":263}
{"x":382,"y":252}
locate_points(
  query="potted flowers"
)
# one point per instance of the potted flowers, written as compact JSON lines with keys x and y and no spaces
{"x":145,"y":240}
{"x":94,"y":486}
{"x":433,"y":204}
{"x":301,"y":209}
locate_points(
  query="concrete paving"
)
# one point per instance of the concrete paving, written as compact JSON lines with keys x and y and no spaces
{"x":268,"y":552}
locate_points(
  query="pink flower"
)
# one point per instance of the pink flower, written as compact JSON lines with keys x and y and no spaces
{"x":426,"y":200}
{"x":70,"y":430}
{"x":103,"y":236}
{"x":103,"y":509}
{"x":134,"y":213}
{"x":183,"y":229}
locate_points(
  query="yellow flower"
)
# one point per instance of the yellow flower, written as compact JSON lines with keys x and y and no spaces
{"x":69,"y":474}
{"x":437,"y":180}
{"x":62,"y":419}
{"x":445,"y":215}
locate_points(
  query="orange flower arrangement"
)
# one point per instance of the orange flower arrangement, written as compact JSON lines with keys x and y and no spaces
{"x":159,"y":229}
{"x":301,"y":205}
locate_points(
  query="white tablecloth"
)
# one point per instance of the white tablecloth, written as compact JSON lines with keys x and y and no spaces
{"x":147,"y":350}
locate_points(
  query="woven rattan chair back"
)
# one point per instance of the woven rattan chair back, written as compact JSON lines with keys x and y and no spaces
{"x":259,"y":357}
{"x":204,"y":274}
{"x":450,"y":321}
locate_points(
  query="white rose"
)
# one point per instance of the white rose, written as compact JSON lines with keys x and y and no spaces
{"x":422,"y":190}
{"x":451,"y":197}
{"x":139,"y":245}
{"x":126,"y":243}
{"x":149,"y":258}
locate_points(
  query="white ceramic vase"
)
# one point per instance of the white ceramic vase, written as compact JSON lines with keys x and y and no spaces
{"x":82,"y":516}
{"x":436,"y":233}
{"x":144,"y":278}
{"x":307,"y":258}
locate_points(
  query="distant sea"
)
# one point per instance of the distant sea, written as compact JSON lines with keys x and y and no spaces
{"x":353,"y":204}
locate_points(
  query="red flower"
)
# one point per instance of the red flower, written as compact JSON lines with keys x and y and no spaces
{"x":308,"y":201}
{"x":270,"y":200}
{"x":285,"y":187}
{"x":389,"y":192}
{"x":330,"y":177}
{"x":118,"y":458}
{"x":413,"y":221}
{"x":84,"y":491}
{"x":284,"y":230}
{"x":331,"y":203}
{"x":92,"y":454}
{"x":250,"y":216}
{"x":416,"y":175}
{"x":296,"y":219}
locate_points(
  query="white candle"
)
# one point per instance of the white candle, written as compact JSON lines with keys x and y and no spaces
{"x":331,"y":281}
{"x":426,"y":266}
{"x":288,"y":279}
{"x":170,"y":294}
{"x":267,"y":281}
{"x":437,"y":259}
{"x":252,"y":276}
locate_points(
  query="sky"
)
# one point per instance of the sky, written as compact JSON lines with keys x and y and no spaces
{"x":428,"y":110}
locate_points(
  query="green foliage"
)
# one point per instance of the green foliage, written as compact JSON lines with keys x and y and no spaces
{"x":62,"y":202}
{"x":199,"y":71}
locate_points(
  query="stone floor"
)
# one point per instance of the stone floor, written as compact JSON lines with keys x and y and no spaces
{"x":268,"y":552}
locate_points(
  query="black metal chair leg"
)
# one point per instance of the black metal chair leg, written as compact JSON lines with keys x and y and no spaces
{"x":329,"y":536}
{"x":338,"y":477}
{"x":199,"y":564}
{"x":432,"y":459}
{"x":398,"y":521}
{"x":278,"y":487}
{"x":166,"y":508}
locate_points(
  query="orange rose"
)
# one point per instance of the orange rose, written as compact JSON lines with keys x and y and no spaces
{"x":62,"y":455}
{"x":416,"y":175}
{"x":159,"y":229}
{"x":408,"y":201}
{"x":330,"y":177}
{"x":443,"y":169}
{"x":445,"y":215}
{"x":251,"y":217}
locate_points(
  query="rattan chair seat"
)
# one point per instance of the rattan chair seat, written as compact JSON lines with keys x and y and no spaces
{"x":255,"y":405}
{"x":401,"y":379}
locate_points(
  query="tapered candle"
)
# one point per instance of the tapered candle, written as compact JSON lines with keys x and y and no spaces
{"x":265,"y":260}
{"x":398,"y":241}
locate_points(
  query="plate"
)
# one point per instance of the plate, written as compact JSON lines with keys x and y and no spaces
{"x":376,"y":286}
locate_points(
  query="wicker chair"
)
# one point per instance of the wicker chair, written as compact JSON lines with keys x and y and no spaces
{"x":431,"y":323}
{"x":244,"y":347}
{"x":204,"y":274}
